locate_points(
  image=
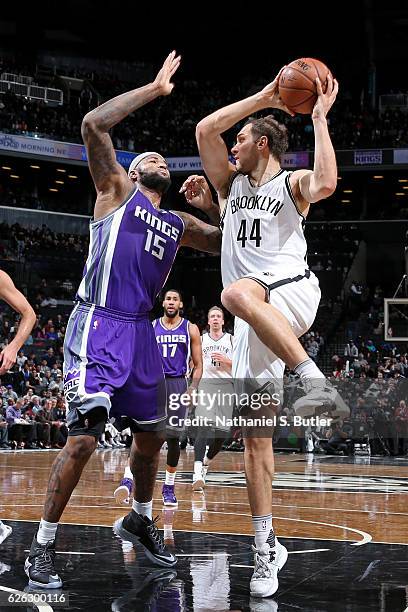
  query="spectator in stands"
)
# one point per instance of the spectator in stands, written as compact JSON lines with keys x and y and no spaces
{"x":401,"y":430}
{"x":21,"y":359}
{"x":336,"y":436}
{"x":3,"y":430}
{"x":350,"y":350}
{"x":18,"y":427}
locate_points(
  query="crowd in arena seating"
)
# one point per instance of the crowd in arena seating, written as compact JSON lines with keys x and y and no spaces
{"x":168,"y":124}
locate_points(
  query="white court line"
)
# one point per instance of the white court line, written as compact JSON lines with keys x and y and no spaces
{"x":42,"y":607}
{"x":227,"y":503}
{"x":232,"y":533}
{"x":68,"y":552}
{"x":216,"y":554}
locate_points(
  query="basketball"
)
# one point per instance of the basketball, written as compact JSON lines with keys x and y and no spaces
{"x":297,"y":84}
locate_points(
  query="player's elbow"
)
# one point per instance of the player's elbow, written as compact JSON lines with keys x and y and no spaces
{"x":88,"y":125}
{"x":204,"y":128}
{"x":326,"y":189}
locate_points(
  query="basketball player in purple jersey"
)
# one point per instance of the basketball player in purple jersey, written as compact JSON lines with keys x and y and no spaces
{"x":112,"y":367}
{"x":179,"y":341}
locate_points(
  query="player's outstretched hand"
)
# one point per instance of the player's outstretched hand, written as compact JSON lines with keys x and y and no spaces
{"x":326,"y":100}
{"x":197,"y":192}
{"x":271,"y":97}
{"x":163,"y":78}
{"x":8,"y":358}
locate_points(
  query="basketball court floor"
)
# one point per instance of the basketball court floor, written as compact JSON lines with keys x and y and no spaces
{"x":343,"y":520}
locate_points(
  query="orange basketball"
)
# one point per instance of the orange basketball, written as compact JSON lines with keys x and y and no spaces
{"x":297,"y":84}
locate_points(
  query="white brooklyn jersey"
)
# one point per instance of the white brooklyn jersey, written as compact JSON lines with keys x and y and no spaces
{"x":212,"y":368}
{"x":262,"y":230}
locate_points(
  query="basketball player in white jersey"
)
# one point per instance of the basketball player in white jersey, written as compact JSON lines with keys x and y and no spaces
{"x":216,"y":380}
{"x":267,"y":283}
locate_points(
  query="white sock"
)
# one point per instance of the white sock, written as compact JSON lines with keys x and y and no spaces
{"x":46,"y":531}
{"x":102,"y":438}
{"x":143,"y":508}
{"x":308,"y":369}
{"x":170,"y":476}
{"x":263,"y":530}
{"x":128,"y":473}
{"x":206,"y":461}
{"x":198,"y":468}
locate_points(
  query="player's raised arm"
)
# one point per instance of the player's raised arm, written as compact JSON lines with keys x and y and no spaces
{"x":109,"y":176}
{"x":14,"y":298}
{"x":199,"y":235}
{"x":312,"y":186}
{"x":212,"y":148}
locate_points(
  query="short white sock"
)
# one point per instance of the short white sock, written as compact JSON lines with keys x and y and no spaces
{"x":128,"y":473}
{"x":143,"y":508}
{"x":170,"y":476}
{"x":263,"y":530}
{"x":308,"y":369}
{"x":198,"y":467}
{"x":206,"y":461}
{"x":102,"y":437}
{"x":46,"y":531}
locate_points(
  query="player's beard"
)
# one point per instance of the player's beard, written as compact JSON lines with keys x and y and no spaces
{"x":155,"y":181}
{"x":171,"y":315}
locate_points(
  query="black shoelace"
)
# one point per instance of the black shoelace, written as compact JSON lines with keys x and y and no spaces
{"x":44,"y":561}
{"x":154,"y":533}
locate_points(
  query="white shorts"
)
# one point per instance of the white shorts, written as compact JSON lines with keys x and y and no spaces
{"x":297,"y":298}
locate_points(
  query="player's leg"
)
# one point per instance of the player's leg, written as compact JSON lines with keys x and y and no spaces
{"x":65,"y":474}
{"x":173,"y":457}
{"x":246,"y":300}
{"x":89,"y":399}
{"x":175,"y":426}
{"x":142,"y":401}
{"x":138,"y":526}
{"x":273,"y":322}
{"x":252,"y":366}
{"x":200,"y":445}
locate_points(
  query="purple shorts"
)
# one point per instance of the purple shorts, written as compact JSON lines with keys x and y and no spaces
{"x":176,"y":410}
{"x":111,"y":360}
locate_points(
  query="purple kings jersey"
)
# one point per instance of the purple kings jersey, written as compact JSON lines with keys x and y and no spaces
{"x":131,"y":252}
{"x":174,"y":347}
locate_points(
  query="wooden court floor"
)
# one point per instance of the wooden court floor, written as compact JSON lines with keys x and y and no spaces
{"x":330,"y":498}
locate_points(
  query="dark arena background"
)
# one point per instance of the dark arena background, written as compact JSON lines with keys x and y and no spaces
{"x":339,"y":493}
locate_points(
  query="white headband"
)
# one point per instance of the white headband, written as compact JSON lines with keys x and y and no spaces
{"x":136,"y":161}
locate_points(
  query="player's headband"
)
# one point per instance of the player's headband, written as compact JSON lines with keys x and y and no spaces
{"x":139,"y":158}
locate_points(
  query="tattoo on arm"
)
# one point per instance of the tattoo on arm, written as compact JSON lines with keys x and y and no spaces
{"x":199,"y":235}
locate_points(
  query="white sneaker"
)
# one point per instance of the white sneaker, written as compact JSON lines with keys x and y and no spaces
{"x":321,"y":396}
{"x":268,"y":562}
{"x":199,"y":481}
{"x":5,"y":531}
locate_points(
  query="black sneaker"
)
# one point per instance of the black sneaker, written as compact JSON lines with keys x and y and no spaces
{"x":136,"y":528}
{"x":39,"y":566}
